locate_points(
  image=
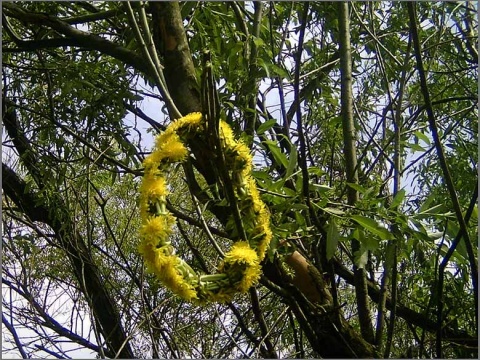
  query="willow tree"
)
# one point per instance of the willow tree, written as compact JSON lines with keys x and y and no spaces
{"x":239,"y":179}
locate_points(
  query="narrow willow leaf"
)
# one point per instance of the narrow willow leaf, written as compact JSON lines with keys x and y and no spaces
{"x":333,"y":211}
{"x":266,"y":126}
{"x":332,"y":238}
{"x":360,"y":257}
{"x":357,"y":187}
{"x":372,"y":226}
{"x":280,"y":157}
{"x":433,"y":210}
{"x":319,"y":188}
{"x":292,"y":163}
{"x":398,"y":199}
{"x":422,"y":137}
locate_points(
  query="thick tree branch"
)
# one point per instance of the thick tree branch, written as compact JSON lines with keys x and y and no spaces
{"x":12,"y":330}
{"x":70,"y":241}
{"x":170,"y":39}
{"x":56,"y":216}
{"x":351,"y":160}
{"x":78,"y":37}
{"x":409,"y":315}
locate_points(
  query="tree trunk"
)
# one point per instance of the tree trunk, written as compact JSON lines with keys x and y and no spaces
{"x":350,"y":153}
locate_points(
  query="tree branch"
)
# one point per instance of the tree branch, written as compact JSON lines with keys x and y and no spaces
{"x":409,"y":315}
{"x":351,"y":160}
{"x":78,"y":37}
{"x":12,"y":330}
{"x":443,"y":165}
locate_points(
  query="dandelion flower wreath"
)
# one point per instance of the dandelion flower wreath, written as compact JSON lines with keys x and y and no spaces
{"x":240,"y":268}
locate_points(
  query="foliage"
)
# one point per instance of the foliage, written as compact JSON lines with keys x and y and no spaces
{"x":83,"y":94}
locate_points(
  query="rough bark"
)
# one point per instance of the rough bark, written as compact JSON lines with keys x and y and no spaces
{"x":179,"y":71}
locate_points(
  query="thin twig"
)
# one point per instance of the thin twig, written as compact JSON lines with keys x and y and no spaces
{"x":147,"y":51}
{"x":205,"y":227}
{"x":444,"y":166}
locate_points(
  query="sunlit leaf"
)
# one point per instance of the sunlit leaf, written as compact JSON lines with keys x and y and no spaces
{"x":357,"y":187}
{"x":372,"y":226}
{"x":276,"y":152}
{"x":332,"y":238}
{"x":398,"y":199}
{"x":267,"y":125}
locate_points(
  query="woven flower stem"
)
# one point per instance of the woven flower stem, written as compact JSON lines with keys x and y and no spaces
{"x":240,"y":268}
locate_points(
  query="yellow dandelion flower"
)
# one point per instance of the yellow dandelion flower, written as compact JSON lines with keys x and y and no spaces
{"x":189,"y":121}
{"x":156,"y":261}
{"x":192,"y":119}
{"x":146,"y":248}
{"x":163,"y":138}
{"x":244,"y":158}
{"x":263,"y":227}
{"x":143,"y":207}
{"x":187,"y":293}
{"x":167,"y":271}
{"x":239,"y":262}
{"x":241,"y":252}
{"x":174,"y":151}
{"x":251,"y":276}
{"x":263,"y":244}
{"x":153,"y":187}
{"x":172,"y":278}
{"x":151,"y":161}
{"x":170,"y":147}
{"x":157,"y":228}
{"x":258,"y":204}
{"x":226,"y":134}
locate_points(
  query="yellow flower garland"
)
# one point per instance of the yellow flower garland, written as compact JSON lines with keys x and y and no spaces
{"x":240,"y":269}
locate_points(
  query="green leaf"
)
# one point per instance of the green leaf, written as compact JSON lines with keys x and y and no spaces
{"x":357,"y":187}
{"x":87,"y":83}
{"x":372,"y":226}
{"x":370,"y":243}
{"x":266,"y":126}
{"x":316,"y":171}
{"x":265,"y":66}
{"x":333,"y":211}
{"x":398,"y":199}
{"x":279,"y":157}
{"x":416,"y":147}
{"x":277,"y":70}
{"x":258,"y":41}
{"x":360,"y":257}
{"x":332,"y":238}
{"x":427,"y":203}
{"x":260,"y":175}
{"x":422,"y":137}
{"x":292,"y":163}
{"x":431,"y":211}
{"x":320,"y":188}
{"x":475,"y":212}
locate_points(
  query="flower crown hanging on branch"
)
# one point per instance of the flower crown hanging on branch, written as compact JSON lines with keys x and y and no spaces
{"x":240,"y":268}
